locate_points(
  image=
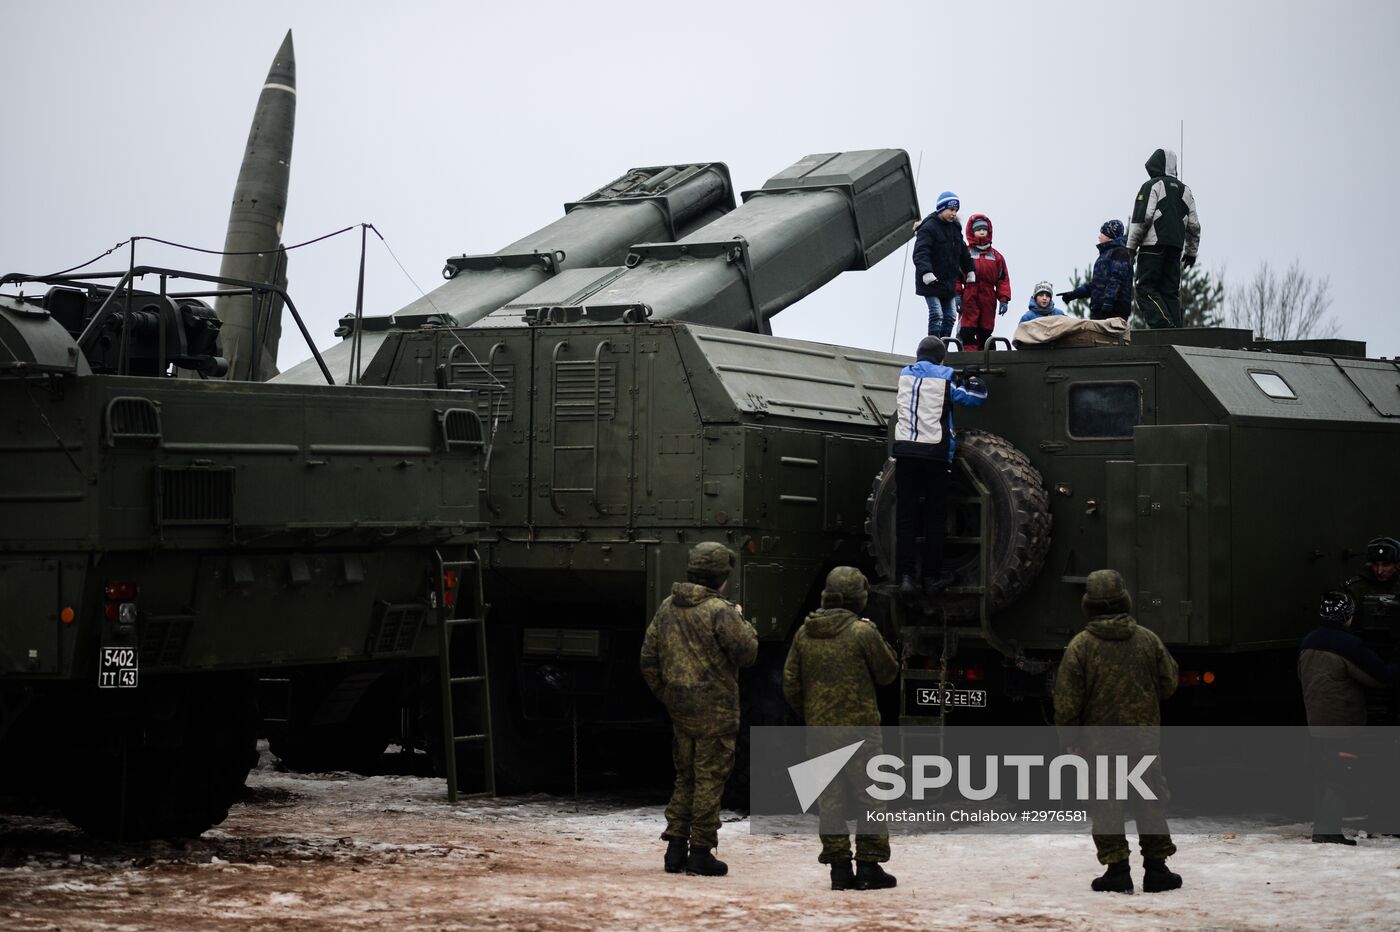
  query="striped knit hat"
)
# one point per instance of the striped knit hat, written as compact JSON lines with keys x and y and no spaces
{"x":945,"y":200}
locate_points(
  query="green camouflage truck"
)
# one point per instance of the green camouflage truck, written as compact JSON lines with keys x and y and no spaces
{"x":176,"y":553}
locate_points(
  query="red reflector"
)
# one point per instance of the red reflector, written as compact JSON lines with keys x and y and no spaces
{"x":67,"y":615}
{"x":120,"y":591}
{"x":449,"y":588}
{"x":1190,"y":679}
{"x":111,"y":611}
{"x":973,"y":674}
{"x":1207,"y":677}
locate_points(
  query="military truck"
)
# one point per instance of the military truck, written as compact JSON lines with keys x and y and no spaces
{"x":1231,"y":480}
{"x":176,"y":553}
{"x":636,"y":408}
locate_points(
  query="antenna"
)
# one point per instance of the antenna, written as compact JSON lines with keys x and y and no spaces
{"x":1181,"y":150}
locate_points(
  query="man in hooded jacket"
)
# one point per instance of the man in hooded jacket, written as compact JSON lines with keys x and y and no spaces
{"x":1165,"y":234}
{"x":1116,"y":673}
{"x":836,"y":661}
{"x":691,"y":657}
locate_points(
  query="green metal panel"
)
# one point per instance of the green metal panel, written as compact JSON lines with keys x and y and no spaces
{"x":1164,"y":601}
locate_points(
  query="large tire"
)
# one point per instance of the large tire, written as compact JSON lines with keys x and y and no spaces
{"x":1020,"y":520}
{"x":166,"y":762}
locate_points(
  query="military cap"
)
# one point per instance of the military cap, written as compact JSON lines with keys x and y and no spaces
{"x":1383,"y":550}
{"x":710,"y":557}
{"x":1106,"y":594}
{"x":845,"y":586}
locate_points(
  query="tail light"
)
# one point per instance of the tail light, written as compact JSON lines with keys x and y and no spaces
{"x":449,"y":588}
{"x":121,"y":597}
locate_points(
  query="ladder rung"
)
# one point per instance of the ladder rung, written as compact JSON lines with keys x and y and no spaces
{"x":963,"y":540}
{"x":458,"y":564}
{"x":964,"y":590}
{"x":465,"y":621}
{"x":463,"y":739}
{"x":274,"y":721}
{"x":467,"y":679}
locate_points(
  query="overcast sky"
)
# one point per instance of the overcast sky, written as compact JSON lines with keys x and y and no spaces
{"x":460,"y":127}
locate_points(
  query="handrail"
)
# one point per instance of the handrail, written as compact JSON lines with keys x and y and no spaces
{"x":597,"y":417}
{"x":124,"y":280}
{"x":491,"y":392}
{"x":554,"y":427}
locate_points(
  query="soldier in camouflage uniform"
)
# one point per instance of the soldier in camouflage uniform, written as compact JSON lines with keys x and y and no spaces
{"x":694,"y":649}
{"x":837,"y":660}
{"x":1115,"y":672}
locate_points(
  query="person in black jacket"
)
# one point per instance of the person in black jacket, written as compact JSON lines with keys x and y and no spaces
{"x":1335,"y":666}
{"x":1165,"y":235}
{"x":1110,"y":287}
{"x":941,"y":261}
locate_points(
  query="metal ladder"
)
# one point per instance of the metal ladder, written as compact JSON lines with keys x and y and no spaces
{"x":949,"y":633}
{"x":459,"y":608}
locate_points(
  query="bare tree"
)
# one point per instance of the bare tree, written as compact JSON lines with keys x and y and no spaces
{"x":1289,"y":306}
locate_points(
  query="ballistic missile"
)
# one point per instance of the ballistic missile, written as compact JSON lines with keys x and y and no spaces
{"x":252,"y":324}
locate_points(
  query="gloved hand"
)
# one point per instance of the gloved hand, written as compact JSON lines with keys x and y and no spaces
{"x":971,"y":277}
{"x":1188,"y":261}
{"x":1066,"y":296}
{"x":1001,"y":308}
{"x":975,"y":384}
{"x":929,"y":278}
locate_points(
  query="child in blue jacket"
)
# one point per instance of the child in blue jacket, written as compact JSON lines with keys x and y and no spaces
{"x":1110,"y":288}
{"x":1042,"y":303}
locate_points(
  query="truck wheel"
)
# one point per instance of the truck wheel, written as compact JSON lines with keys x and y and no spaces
{"x":1020,"y":520}
{"x":165,"y":763}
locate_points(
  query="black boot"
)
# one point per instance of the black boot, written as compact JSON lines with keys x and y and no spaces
{"x":702,"y":861}
{"x":908,"y":591}
{"x":1156,"y":877}
{"x":841,"y":876}
{"x":1333,"y":840}
{"x":1117,"y":879}
{"x":871,"y":876}
{"x":676,"y":849}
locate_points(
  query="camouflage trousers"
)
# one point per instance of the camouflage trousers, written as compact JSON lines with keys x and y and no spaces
{"x":844,"y":801}
{"x":1153,"y":838}
{"x":702,"y":766}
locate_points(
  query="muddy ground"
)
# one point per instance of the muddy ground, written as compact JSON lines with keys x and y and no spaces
{"x":333,"y":851}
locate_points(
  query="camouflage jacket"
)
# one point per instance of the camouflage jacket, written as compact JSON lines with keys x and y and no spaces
{"x":1114,"y":672}
{"x":835,"y":664}
{"x":1366,"y":584}
{"x":691,"y":658}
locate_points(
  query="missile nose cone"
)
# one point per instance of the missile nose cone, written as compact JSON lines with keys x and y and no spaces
{"x":284,"y":65}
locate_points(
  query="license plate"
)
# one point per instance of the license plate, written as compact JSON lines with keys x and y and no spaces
{"x":966,"y":698}
{"x":118,"y":669}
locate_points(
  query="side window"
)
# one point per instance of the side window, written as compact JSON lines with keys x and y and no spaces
{"x":1272,"y":384}
{"x":1104,"y":410}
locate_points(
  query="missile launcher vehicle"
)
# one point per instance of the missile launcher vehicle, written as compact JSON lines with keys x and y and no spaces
{"x":177,"y":552}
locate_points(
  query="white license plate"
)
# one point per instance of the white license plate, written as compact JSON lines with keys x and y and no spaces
{"x":966,"y":698}
{"x":118,"y":669}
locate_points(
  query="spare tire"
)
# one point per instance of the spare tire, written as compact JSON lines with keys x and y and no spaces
{"x":1020,"y":519}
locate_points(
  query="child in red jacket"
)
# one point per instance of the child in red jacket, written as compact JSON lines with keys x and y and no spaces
{"x":988,"y":295}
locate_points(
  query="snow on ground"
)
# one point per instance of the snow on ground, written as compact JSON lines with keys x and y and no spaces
{"x":332,"y":851}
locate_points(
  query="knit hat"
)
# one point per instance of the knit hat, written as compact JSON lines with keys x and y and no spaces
{"x":1105,"y":594}
{"x":1112,"y":228}
{"x":1335,"y":608}
{"x":981,"y":223}
{"x":846,"y":587}
{"x":932,"y":349}
{"x":710,"y":558}
{"x":1383,"y":550}
{"x":1044,"y":288}
{"x":945,"y":200}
